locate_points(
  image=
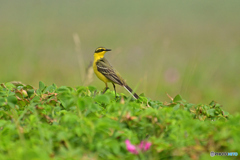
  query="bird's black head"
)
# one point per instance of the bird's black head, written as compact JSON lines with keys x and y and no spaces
{"x":101,"y":49}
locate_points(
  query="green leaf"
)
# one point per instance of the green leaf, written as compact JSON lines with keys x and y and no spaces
{"x":92,"y":88}
{"x":36,"y":99}
{"x":225,"y":113}
{"x":10,"y":86}
{"x":41,"y":86}
{"x":3,"y":101}
{"x":30,"y":92}
{"x":177,"y":98}
{"x":66,"y":99}
{"x":50,"y":89}
{"x":142,"y":95}
{"x":63,"y":89}
{"x":102,"y":99}
{"x":211,"y":112}
{"x":28,"y":87}
{"x":12,"y":99}
{"x":212,"y":103}
{"x":176,"y":106}
{"x":143,"y":99}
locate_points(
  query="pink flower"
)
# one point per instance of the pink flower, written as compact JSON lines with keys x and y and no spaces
{"x":131,"y":148}
{"x":143,"y":146}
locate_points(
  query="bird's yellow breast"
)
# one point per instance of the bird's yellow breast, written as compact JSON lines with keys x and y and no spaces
{"x":99,"y":74}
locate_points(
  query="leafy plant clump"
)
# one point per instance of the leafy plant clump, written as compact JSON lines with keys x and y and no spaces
{"x":81,"y":123}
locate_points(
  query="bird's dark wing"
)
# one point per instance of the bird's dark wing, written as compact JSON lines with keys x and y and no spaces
{"x":104,"y":67}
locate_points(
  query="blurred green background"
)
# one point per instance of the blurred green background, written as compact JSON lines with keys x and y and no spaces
{"x":184,"y":47}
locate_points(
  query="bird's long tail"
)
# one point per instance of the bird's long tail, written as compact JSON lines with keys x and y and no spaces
{"x":131,"y":91}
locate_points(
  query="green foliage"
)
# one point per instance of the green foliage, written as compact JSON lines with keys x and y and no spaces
{"x":189,"y":48}
{"x":81,"y":123}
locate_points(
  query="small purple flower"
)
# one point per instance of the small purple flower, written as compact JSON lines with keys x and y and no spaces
{"x":143,"y":146}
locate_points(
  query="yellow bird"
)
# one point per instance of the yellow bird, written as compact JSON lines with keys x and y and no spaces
{"x":106,"y":73}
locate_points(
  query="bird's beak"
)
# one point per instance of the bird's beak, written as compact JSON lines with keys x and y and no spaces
{"x":108,"y":49}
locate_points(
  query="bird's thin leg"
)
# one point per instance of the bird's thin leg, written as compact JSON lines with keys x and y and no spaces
{"x":105,"y":88}
{"x":114,"y":90}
